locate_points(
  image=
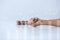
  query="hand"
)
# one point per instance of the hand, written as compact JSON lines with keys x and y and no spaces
{"x":33,"y":23}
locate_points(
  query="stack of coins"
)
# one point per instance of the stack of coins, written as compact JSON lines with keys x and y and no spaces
{"x":22,"y":22}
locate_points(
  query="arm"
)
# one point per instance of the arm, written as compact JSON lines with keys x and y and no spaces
{"x":54,"y":22}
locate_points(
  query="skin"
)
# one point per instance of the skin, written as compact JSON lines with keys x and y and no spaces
{"x":52,"y":22}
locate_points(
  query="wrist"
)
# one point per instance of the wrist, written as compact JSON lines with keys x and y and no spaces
{"x":44,"y":22}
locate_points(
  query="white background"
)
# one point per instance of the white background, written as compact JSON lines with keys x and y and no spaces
{"x":13,"y":10}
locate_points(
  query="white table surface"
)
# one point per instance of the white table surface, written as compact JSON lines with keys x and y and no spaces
{"x":13,"y":10}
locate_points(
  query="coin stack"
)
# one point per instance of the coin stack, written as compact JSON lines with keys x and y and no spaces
{"x":22,"y":22}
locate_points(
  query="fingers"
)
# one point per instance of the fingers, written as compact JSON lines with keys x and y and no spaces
{"x":31,"y":21}
{"x":34,"y":22}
